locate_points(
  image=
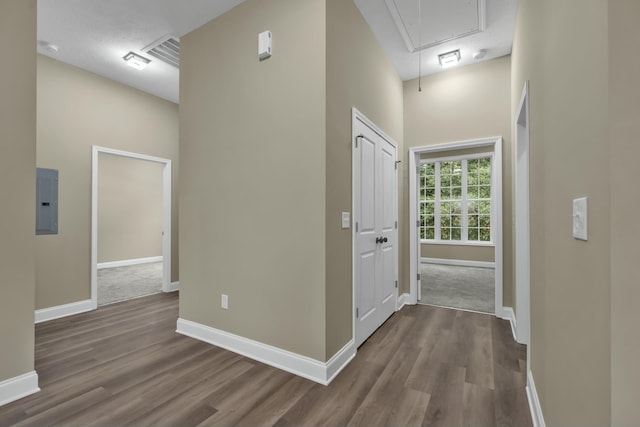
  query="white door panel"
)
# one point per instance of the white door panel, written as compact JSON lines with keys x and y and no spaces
{"x":376,"y":234}
{"x":388,"y":281}
{"x":368,"y":186}
{"x":367,"y":273}
{"x":388,"y":193}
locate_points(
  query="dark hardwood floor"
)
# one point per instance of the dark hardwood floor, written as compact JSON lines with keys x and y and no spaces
{"x":124,"y":365}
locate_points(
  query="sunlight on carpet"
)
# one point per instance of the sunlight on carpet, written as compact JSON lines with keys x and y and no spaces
{"x":124,"y":283}
{"x":468,"y":288}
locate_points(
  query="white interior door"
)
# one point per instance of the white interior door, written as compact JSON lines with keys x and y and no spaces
{"x":376,"y":230}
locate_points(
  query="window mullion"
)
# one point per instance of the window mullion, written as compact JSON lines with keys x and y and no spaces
{"x":437,"y":203}
{"x":465,"y":218}
{"x":492,"y":201}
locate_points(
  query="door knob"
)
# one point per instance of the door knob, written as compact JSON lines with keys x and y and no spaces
{"x":385,"y":240}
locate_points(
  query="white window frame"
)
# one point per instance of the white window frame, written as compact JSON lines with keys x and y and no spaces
{"x":464,"y":215}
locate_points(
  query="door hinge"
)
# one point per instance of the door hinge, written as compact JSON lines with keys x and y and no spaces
{"x":418,"y":276}
{"x":396,"y":224}
{"x":417,"y":223}
{"x":356,"y":227}
{"x":396,"y":284}
{"x":357,"y":313}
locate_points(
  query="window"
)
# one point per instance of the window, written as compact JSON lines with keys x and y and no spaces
{"x":455,"y":199}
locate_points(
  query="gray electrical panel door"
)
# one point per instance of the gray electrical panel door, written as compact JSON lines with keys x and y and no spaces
{"x":46,"y":201}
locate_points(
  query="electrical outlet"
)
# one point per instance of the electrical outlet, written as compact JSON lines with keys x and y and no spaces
{"x":580,"y":218}
{"x":224,"y":301}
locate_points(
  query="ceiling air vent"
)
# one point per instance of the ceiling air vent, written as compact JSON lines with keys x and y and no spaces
{"x":165,"y":49}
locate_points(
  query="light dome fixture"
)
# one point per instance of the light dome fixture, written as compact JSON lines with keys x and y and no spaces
{"x":449,"y":59}
{"x":49,"y":47}
{"x":136,"y":61}
{"x":479,"y":54}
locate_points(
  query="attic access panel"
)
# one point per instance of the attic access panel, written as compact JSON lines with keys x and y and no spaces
{"x":442,"y":20}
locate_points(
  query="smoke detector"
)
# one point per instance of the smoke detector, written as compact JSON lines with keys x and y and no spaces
{"x":479,"y":54}
{"x":49,"y":47}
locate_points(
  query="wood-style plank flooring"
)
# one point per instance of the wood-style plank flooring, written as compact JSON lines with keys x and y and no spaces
{"x":124,"y":365}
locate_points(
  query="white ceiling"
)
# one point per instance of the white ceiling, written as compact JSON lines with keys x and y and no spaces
{"x":95,"y":34}
{"x":446,"y":25}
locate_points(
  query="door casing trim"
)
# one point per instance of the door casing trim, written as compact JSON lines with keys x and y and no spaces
{"x":166,"y":216}
{"x":522,"y":248}
{"x":414,"y":253}
{"x":358,"y":116}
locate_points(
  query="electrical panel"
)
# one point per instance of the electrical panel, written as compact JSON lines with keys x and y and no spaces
{"x":46,"y":201}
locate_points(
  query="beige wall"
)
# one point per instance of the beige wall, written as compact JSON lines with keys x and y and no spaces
{"x":451,"y":153}
{"x":561,"y":47}
{"x":129,"y":208}
{"x":624,"y":113}
{"x":78,"y":109}
{"x":252,"y":156}
{"x":17,"y":187}
{"x":360,"y":75}
{"x":462,"y":252}
{"x":471,"y":102}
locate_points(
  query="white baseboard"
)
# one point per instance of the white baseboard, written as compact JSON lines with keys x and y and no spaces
{"x":510,"y":315}
{"x":458,"y":262}
{"x":403,"y":300}
{"x":534,"y":403}
{"x":128,"y":262}
{"x":18,"y":387}
{"x":339,"y":361}
{"x":174,"y":286}
{"x":314,"y":370}
{"x":64,"y":310}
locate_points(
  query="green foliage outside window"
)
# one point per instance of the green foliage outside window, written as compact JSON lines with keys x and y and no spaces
{"x":453,"y":204}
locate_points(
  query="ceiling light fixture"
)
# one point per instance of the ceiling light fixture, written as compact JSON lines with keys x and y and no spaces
{"x":449,"y":59}
{"x":136,"y":61}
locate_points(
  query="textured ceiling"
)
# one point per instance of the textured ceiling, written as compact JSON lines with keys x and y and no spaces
{"x":96,"y":34}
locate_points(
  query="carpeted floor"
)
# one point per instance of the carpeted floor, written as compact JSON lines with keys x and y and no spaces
{"x":123,"y":283}
{"x":468,"y":288}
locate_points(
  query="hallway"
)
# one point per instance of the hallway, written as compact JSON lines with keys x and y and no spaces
{"x":123,"y":364}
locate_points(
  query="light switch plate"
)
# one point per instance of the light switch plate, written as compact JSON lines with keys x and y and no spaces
{"x":224,"y":301}
{"x":346,"y":220}
{"x":580,"y":218}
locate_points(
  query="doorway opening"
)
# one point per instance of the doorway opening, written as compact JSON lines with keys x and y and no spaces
{"x":455,"y":208}
{"x":457,"y":260}
{"x":117,"y":273}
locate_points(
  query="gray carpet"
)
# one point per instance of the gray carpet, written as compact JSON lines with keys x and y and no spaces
{"x":123,"y":283}
{"x":468,"y":288}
